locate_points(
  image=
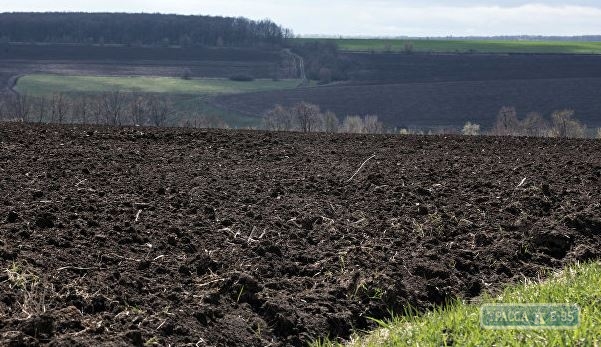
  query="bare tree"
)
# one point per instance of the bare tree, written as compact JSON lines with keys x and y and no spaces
{"x":278,"y":119}
{"x":113,"y":104}
{"x":158,"y":110}
{"x":96,"y":109}
{"x":80,"y":110}
{"x":58,"y":108}
{"x":138,"y":108}
{"x":3,"y":111}
{"x":599,"y":133}
{"x":353,"y":125}
{"x":19,"y":107}
{"x":307,"y":116}
{"x":330,"y":122}
{"x":372,"y":125}
{"x":535,"y":125}
{"x":507,"y":122}
{"x":40,"y":108}
{"x":564,"y":124}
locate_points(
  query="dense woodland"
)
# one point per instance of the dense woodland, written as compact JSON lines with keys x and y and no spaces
{"x":139,"y":29}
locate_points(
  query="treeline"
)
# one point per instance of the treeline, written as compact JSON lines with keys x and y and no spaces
{"x":307,"y":118}
{"x":148,"y":109}
{"x":323,"y":62}
{"x":138,"y":29}
{"x":111,"y":108}
{"x":562,"y":123}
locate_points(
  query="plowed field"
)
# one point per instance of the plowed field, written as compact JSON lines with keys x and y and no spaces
{"x":138,"y":236}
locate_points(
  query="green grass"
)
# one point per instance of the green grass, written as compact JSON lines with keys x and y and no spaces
{"x":46,"y":84}
{"x":465,"y":46}
{"x":459,"y":324}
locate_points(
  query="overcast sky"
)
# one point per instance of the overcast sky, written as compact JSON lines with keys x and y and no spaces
{"x":370,"y":18}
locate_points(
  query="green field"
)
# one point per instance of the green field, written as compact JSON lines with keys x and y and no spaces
{"x":464,"y":46}
{"x":459,"y":324}
{"x":46,"y":84}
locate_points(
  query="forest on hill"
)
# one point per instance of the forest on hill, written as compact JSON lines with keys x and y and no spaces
{"x":139,"y":29}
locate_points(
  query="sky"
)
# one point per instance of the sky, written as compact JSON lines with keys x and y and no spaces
{"x":424,"y":18}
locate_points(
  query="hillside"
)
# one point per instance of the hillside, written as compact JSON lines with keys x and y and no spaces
{"x":443,"y":91}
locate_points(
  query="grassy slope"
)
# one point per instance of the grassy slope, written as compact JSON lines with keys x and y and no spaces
{"x":460,"y":323}
{"x":478,"y":46}
{"x":44,"y":84}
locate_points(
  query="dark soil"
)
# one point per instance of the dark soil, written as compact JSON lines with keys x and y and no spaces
{"x":132,"y":236}
{"x":404,"y":68}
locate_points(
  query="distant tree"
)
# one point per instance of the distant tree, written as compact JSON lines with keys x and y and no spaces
{"x":113,"y":104}
{"x":330,"y":122}
{"x":138,"y":108}
{"x":19,"y":107}
{"x":3,"y":112}
{"x":58,"y":108}
{"x":353,"y":125}
{"x":307,"y":117}
{"x":96,"y":109}
{"x":325,"y":75}
{"x":186,"y":74}
{"x":139,"y":29}
{"x":159,"y":109}
{"x":507,"y":122}
{"x":471,"y":129}
{"x":80,"y":110}
{"x":317,"y":55}
{"x":185,"y":41}
{"x":535,"y":125}
{"x":408,"y":47}
{"x":372,"y":125}
{"x":564,"y":125}
{"x":278,"y":119}
{"x":4,"y":43}
{"x":599,"y":133}
{"x":40,"y":106}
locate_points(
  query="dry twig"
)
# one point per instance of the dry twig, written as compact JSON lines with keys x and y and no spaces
{"x":361,"y":167}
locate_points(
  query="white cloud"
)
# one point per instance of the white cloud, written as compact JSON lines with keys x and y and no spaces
{"x":379,"y":17}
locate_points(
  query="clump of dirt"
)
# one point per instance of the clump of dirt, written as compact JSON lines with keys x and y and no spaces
{"x":171,"y":236}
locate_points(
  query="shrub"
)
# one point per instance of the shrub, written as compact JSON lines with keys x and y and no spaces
{"x":471,"y":129}
{"x":325,"y":75}
{"x":599,"y":133}
{"x":186,"y":74}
